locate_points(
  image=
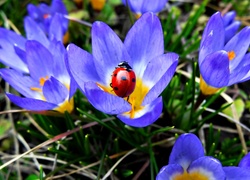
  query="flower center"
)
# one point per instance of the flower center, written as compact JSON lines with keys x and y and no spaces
{"x":191,"y":176}
{"x":231,"y":55}
{"x":206,"y":89}
{"x":45,"y":16}
{"x":66,"y":106}
{"x":135,"y":99}
{"x":42,"y":80}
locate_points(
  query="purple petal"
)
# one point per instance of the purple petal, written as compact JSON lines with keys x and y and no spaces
{"x":233,"y":173}
{"x":213,"y":37}
{"x":55,"y":28}
{"x":34,"y":32}
{"x":34,"y":12}
{"x":103,"y":101}
{"x":153,"y":6}
{"x":81,"y":66}
{"x":187,"y":148}
{"x":54,"y":91}
{"x":72,"y":88}
{"x":9,"y":40}
{"x":31,"y":104}
{"x":12,"y":38}
{"x":9,"y":57}
{"x":108,"y":50}
{"x":242,"y":72}
{"x":228,"y":18}
{"x":206,"y":168}
{"x":242,"y":68}
{"x":215,"y":69}
{"x":135,"y":6}
{"x":231,"y":30}
{"x":239,"y":44}
{"x":158,"y":73}
{"x":169,"y":172}
{"x":148,"y":115}
{"x":20,"y":82}
{"x":21,"y":54}
{"x":58,"y":6}
{"x":144,"y":42}
{"x":59,"y":68}
{"x":245,"y":162}
{"x":40,"y":60}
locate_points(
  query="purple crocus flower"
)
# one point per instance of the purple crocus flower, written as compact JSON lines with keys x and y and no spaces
{"x":44,"y":15}
{"x":37,"y":69}
{"x":141,"y":6}
{"x":143,"y":49}
{"x":245,"y":161}
{"x":223,"y":65}
{"x":187,"y":161}
{"x":230,"y":24}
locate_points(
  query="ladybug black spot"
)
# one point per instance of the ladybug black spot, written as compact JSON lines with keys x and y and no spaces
{"x":133,"y":80}
{"x":115,"y":88}
{"x":123,"y":78}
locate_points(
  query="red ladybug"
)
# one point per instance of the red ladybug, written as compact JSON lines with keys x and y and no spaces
{"x":123,"y":80}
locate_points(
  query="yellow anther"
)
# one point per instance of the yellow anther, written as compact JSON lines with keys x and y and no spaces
{"x":231,"y":55}
{"x":42,"y":80}
{"x":105,"y":88}
{"x":36,"y":89}
{"x":191,"y":176}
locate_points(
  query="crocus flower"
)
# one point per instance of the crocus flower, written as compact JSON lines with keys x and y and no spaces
{"x":245,"y":161}
{"x":143,"y":49}
{"x":142,"y":6}
{"x":187,"y":161}
{"x":222,"y":65}
{"x":44,"y":15}
{"x":230,"y":24}
{"x":37,"y":69}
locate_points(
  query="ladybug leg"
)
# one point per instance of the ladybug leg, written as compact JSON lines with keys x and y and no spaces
{"x":128,"y":99}
{"x":110,"y":85}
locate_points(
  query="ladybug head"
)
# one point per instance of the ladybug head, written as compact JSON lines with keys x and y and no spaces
{"x":124,"y":64}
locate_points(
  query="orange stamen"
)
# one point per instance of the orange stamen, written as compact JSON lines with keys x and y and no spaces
{"x":45,"y":16}
{"x":36,"y":89}
{"x":42,"y":80}
{"x":104,"y":88}
{"x":231,"y":55}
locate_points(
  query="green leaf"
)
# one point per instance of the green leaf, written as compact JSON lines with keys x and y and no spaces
{"x":239,"y":105}
{"x":32,"y":177}
{"x":4,"y":126}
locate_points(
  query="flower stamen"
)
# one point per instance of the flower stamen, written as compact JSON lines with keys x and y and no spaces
{"x":42,"y":80}
{"x":45,"y":16}
{"x":231,"y":55}
{"x":36,"y":89}
{"x":105,"y":89}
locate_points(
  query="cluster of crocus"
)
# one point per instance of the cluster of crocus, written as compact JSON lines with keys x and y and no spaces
{"x":187,"y":161}
{"x":143,"y":49}
{"x":223,"y":64}
{"x":142,"y":6}
{"x":37,"y":69}
{"x":48,"y":17}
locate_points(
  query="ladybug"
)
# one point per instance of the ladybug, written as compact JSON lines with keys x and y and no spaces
{"x":123,"y":80}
